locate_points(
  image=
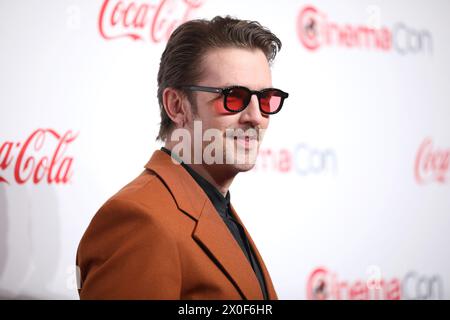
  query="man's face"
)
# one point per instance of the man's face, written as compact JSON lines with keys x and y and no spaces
{"x":229,"y":67}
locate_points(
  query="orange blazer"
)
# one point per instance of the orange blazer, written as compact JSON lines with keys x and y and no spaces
{"x":160,"y":237}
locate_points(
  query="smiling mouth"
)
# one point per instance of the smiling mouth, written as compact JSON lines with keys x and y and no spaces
{"x":246,"y":142}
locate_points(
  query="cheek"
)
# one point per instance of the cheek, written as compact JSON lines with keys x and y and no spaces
{"x":265,"y":123}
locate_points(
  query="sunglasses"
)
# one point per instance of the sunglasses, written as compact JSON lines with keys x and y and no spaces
{"x":237,"y":98}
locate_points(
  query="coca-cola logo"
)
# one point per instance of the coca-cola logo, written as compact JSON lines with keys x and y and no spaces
{"x":432,"y":163}
{"x":144,"y":20}
{"x":41,"y":157}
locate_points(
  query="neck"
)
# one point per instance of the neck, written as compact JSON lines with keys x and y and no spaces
{"x":217,"y":174}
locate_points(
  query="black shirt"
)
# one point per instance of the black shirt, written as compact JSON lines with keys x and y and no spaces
{"x":222,"y":205}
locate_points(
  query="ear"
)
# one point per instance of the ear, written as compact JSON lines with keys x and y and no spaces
{"x":177,"y":106}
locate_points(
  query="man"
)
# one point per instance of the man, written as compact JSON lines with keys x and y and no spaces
{"x":172,"y":233}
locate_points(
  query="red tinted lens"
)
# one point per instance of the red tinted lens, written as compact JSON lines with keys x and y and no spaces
{"x":236,"y":99}
{"x":271,"y":100}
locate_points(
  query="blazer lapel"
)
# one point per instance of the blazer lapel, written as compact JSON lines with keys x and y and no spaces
{"x":211,"y":232}
{"x":214,"y":236}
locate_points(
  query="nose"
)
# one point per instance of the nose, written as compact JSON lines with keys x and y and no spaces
{"x":252,"y":115}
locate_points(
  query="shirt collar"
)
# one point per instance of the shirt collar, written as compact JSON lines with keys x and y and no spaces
{"x":219,"y":202}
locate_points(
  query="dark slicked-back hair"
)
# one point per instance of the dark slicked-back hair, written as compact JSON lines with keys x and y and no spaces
{"x":181,"y":60}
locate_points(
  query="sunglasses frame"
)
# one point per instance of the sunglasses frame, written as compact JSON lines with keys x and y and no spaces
{"x":227,"y":90}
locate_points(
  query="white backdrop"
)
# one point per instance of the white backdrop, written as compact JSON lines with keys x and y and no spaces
{"x":356,"y":164}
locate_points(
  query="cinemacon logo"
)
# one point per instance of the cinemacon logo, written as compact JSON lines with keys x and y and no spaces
{"x":144,"y":20}
{"x":39,"y":158}
{"x":302,"y":159}
{"x":324,"y":284}
{"x":315,"y":30}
